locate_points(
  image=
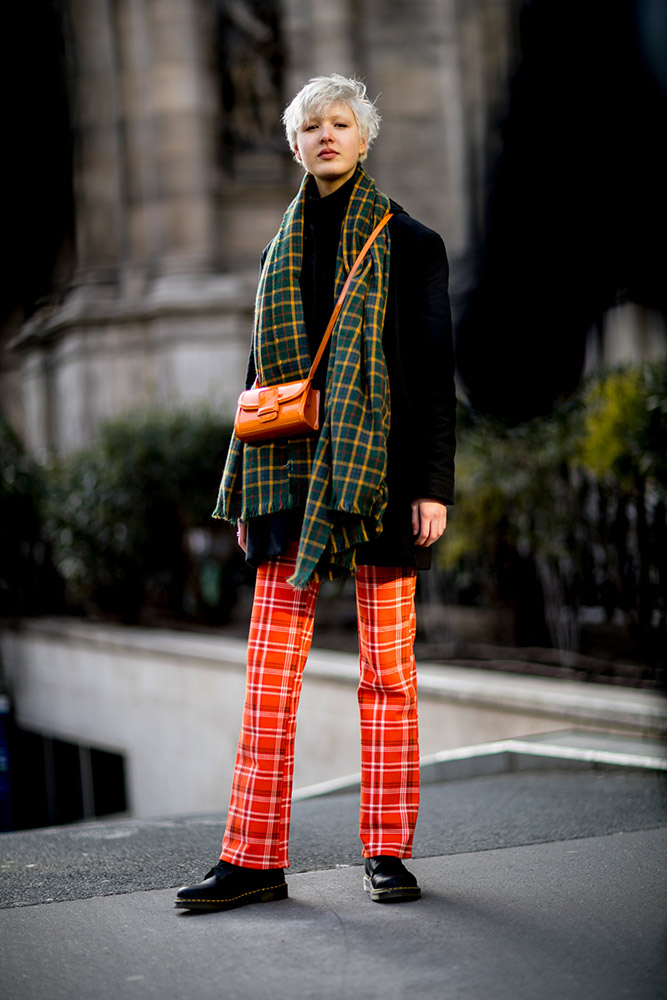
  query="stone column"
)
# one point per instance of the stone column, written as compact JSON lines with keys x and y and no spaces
{"x":149,"y":319}
{"x":176,"y":184}
{"x":409,"y":54}
{"x":412,"y":55}
{"x":322,"y":38}
{"x":145,"y":125}
{"x":98,"y":159}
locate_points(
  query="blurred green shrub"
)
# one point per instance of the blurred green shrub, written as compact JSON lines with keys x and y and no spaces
{"x":625,"y":434}
{"x":28,"y":582}
{"x":568,"y":511}
{"x":564,"y":513}
{"x":130,"y":520}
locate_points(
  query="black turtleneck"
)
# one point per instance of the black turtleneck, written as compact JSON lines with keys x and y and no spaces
{"x":323,"y":219}
{"x":321,"y":236}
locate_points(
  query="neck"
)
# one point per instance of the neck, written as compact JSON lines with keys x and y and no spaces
{"x":326,"y":186}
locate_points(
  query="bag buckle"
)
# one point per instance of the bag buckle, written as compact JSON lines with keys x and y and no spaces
{"x":268,"y":404}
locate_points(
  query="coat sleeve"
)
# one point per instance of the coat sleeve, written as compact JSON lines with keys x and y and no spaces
{"x":420,"y":361}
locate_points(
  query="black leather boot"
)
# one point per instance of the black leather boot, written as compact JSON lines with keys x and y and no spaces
{"x":389,"y":881}
{"x":227,"y":886}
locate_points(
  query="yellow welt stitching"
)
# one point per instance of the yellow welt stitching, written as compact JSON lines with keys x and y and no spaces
{"x":230,"y":899}
{"x":397,"y":888}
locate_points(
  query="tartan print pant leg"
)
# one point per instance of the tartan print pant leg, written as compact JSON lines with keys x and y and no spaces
{"x":281,"y":628}
{"x":387,"y":697}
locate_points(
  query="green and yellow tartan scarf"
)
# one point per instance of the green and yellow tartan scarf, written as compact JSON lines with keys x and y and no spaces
{"x":339,"y":478}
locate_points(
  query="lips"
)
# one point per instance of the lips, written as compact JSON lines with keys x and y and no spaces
{"x":327,"y":154}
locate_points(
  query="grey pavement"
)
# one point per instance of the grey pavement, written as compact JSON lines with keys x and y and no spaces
{"x":548,"y":885}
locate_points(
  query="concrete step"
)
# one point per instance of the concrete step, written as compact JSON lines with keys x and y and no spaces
{"x":564,"y":749}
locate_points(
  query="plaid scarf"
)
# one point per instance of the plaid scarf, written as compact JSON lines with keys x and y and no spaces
{"x":339,"y":478}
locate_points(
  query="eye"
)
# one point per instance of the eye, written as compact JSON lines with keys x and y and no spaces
{"x":310,"y":127}
{"x":342,"y":125}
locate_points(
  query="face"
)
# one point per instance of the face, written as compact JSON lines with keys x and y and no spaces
{"x":329,"y":146}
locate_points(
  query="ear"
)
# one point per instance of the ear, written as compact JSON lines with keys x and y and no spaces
{"x":297,"y":154}
{"x":363,"y":146}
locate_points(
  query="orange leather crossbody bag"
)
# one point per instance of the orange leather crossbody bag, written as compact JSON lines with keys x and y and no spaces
{"x":265,"y":413}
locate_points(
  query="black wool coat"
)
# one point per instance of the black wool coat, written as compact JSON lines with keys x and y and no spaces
{"x":419,"y":354}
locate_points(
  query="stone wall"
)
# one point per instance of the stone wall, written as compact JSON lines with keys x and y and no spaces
{"x":171,"y":704}
{"x":170,"y":219}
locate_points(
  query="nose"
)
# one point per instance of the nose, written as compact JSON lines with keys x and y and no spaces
{"x":327,"y":133}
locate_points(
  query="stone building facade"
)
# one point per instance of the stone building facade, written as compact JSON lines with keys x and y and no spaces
{"x":180,"y":176}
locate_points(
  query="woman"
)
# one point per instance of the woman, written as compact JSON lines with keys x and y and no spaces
{"x":366,"y":495}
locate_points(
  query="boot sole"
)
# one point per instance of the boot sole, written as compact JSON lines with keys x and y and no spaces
{"x":268,"y":895}
{"x":401,"y":894}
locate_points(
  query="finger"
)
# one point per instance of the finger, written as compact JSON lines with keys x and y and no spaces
{"x":424,"y":529}
{"x":437,"y":528}
{"x":415,"y":518}
{"x":242,"y":535}
{"x":435,"y":522}
{"x":431,"y":535}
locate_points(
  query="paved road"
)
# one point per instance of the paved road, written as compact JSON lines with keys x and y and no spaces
{"x":95,"y":859}
{"x":548,"y":886}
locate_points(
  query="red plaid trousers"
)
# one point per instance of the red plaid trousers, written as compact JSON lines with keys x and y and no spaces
{"x":281,"y":628}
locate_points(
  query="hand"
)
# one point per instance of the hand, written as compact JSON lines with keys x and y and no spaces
{"x":429,"y":520}
{"x":242,"y":535}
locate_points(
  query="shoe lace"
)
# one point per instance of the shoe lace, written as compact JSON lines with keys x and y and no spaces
{"x":221,"y":868}
{"x":389,"y":865}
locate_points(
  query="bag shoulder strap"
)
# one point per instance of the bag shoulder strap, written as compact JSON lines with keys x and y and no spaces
{"x":339,"y":304}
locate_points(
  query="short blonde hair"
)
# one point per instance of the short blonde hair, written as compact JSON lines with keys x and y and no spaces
{"x":320,"y":93}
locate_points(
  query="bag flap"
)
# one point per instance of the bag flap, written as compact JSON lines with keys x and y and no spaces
{"x":252,"y":399}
